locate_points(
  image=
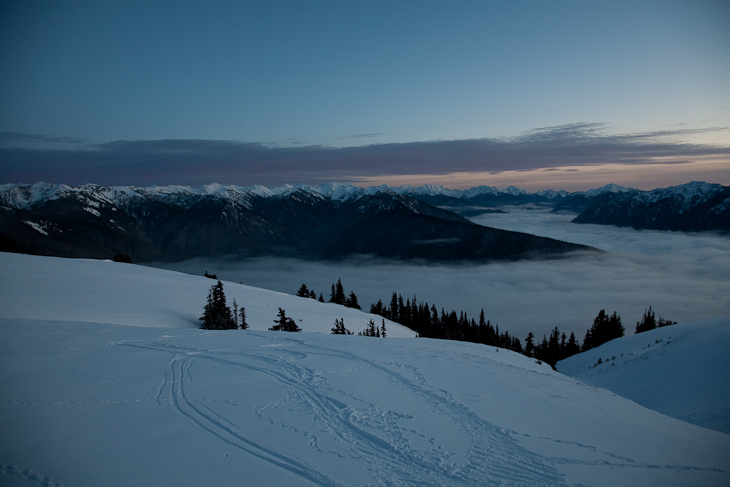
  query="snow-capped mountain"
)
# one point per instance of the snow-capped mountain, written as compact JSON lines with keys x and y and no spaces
{"x":89,"y":401}
{"x":695,"y":206}
{"x":173,"y":222}
{"x":325,"y":221}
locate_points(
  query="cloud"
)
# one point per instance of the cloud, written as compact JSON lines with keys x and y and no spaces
{"x":195,"y":162}
{"x":13,"y":139}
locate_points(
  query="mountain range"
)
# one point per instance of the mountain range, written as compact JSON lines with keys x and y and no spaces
{"x":330,"y":221}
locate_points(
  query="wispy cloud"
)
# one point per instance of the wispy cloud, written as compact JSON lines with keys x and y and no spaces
{"x":194,"y":162}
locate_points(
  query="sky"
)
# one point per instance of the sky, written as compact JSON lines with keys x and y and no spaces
{"x":562,"y":94}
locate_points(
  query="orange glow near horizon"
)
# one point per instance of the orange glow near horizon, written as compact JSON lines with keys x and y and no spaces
{"x":571,"y":178}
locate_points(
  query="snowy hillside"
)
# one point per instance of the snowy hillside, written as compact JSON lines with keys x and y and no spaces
{"x":87,"y":402}
{"x":680,"y":370}
{"x":50,"y":288}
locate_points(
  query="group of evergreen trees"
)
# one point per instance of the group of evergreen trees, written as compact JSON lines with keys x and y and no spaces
{"x":337,"y":295}
{"x":649,"y":322}
{"x":428,"y":322}
{"x":284,"y":323}
{"x":553,"y":349}
{"x":218,"y":316}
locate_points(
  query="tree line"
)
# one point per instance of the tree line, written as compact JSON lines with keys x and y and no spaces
{"x":427,"y":321}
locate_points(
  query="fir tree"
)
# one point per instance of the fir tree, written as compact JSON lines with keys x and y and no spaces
{"x":216,"y":314}
{"x":284,"y":323}
{"x":339,"y":328}
{"x":605,"y":328}
{"x":351,"y":302}
{"x":303,"y":291}
{"x":530,"y":344}
{"x":371,"y":330}
{"x":242,"y":324}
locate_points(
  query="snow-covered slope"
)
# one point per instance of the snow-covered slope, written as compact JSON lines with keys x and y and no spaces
{"x":680,"y":370}
{"x":51,"y":288}
{"x":90,"y":404}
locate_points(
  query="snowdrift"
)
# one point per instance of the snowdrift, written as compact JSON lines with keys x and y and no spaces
{"x":88,"y":402}
{"x":680,"y":370}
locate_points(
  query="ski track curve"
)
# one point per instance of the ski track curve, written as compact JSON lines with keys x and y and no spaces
{"x":362,"y":429}
{"x":367,"y":432}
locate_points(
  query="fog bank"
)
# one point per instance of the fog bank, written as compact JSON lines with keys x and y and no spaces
{"x":682,"y":276}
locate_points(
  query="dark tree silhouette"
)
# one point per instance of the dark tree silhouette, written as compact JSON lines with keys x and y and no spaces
{"x":216,"y":314}
{"x":339,"y":328}
{"x":284,"y":323}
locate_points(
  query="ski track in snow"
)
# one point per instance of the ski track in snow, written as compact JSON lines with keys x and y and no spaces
{"x":393,"y":453}
{"x":385,"y":449}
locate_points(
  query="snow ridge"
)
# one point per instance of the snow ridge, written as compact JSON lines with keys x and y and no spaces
{"x":25,"y":196}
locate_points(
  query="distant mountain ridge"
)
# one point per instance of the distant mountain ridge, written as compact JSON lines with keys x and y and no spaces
{"x":25,"y":195}
{"x":695,"y":206}
{"x":330,"y":221}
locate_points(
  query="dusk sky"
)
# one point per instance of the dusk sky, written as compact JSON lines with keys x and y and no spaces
{"x":545,"y":94}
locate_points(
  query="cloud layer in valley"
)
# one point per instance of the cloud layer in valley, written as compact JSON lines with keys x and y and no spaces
{"x":682,"y":276}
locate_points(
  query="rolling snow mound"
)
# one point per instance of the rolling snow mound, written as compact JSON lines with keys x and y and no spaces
{"x":679,"y":370}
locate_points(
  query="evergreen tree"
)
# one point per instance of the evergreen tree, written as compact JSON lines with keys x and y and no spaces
{"x":284,"y":323}
{"x":339,"y":328}
{"x":351,"y":302}
{"x":242,"y":324}
{"x":605,"y":328}
{"x":649,"y":322}
{"x":371,"y":330}
{"x":530,"y":344}
{"x":303,"y":291}
{"x":572,"y":346}
{"x":216,"y":314}
{"x":382,"y":329}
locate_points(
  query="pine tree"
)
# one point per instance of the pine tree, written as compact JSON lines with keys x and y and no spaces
{"x":371,"y":330}
{"x":648,"y":322}
{"x":339,"y":328}
{"x":605,"y":328}
{"x":216,"y":314}
{"x":242,"y":324}
{"x":382,"y":329}
{"x":284,"y":323}
{"x":530,"y":344}
{"x":303,"y":291}
{"x":351,"y":302}
{"x":572,"y":347}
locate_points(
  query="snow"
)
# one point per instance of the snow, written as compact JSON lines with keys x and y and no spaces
{"x":87,"y":401}
{"x":679,"y":370}
{"x":24,"y":195}
{"x":36,"y":227}
{"x":110,"y":292}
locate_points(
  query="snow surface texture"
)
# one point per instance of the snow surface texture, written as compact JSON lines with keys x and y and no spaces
{"x":102,"y":404}
{"x":679,"y":370}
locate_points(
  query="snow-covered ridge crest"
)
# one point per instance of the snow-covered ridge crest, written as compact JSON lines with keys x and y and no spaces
{"x":27,"y":195}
